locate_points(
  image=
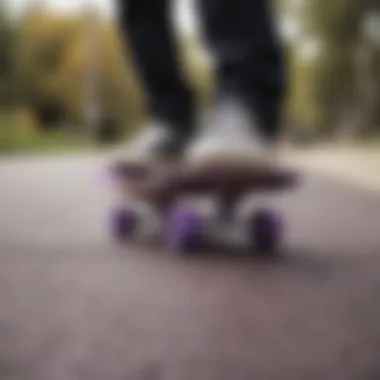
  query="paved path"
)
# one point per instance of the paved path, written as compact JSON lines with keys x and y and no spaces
{"x":356,"y":165}
{"x":73,"y":305}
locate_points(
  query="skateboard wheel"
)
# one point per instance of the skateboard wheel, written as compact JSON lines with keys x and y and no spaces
{"x":184,"y":231}
{"x":265,"y":229}
{"x":123,"y":223}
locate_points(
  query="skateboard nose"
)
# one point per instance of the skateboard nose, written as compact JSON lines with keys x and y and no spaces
{"x":104,"y":176}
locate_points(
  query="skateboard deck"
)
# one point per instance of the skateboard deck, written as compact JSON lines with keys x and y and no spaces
{"x":227,"y":180}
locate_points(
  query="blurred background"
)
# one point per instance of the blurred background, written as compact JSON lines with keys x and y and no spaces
{"x":67,"y":80}
{"x":74,"y":304}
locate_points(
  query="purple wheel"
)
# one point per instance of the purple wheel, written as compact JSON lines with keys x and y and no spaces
{"x":123,"y":223}
{"x":185,"y":231}
{"x":266,"y":230}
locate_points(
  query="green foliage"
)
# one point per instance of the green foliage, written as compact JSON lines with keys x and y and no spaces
{"x":43,"y":41}
{"x":337,"y":21}
{"x":52,"y":60}
{"x":15,"y":139}
{"x":198,"y":71}
{"x":6,"y":60}
{"x":327,"y":91}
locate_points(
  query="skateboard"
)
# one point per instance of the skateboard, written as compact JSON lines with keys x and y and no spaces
{"x":183,"y":225}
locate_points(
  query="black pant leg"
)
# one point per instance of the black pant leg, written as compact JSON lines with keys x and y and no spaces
{"x":147,"y":26}
{"x":241,"y":35}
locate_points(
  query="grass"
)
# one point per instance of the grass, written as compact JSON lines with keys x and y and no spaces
{"x":15,"y":140}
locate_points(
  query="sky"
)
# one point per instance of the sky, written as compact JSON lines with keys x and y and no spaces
{"x":183,"y":10}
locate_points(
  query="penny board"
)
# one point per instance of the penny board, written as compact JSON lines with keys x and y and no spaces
{"x":167,"y":182}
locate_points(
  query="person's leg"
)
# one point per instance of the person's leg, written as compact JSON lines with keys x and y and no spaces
{"x":249,"y":63}
{"x":147,"y":29}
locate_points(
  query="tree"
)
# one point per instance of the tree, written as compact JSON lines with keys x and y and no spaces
{"x":41,"y":45}
{"x":6,"y":59}
{"x":332,"y":67}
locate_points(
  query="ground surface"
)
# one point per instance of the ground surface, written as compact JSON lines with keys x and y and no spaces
{"x":73,"y":305}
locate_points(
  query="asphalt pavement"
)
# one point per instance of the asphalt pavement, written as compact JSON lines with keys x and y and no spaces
{"x":76,"y":305}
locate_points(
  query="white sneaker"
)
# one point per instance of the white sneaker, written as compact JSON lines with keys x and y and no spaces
{"x":155,"y":143}
{"x":229,"y":135}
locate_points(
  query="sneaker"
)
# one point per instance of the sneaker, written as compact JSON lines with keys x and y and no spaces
{"x":154,"y":144}
{"x":229,"y":134}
